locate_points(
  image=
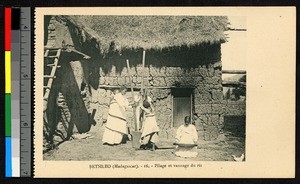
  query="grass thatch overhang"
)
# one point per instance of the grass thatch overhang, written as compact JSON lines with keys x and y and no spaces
{"x":115,"y":33}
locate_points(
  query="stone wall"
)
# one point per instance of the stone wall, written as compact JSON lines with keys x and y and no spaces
{"x":207,"y":94}
{"x":197,"y":67}
{"x":234,"y":108}
{"x":56,"y":32}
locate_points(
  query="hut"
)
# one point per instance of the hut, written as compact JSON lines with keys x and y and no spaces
{"x":182,"y":73}
{"x":65,"y":94}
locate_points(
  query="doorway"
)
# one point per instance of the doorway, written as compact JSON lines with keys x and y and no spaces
{"x":182,"y":105}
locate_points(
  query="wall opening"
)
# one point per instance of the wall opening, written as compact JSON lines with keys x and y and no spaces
{"x":182,"y":105}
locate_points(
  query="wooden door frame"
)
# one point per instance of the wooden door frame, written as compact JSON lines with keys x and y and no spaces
{"x":172,"y":118}
{"x":172,"y":101}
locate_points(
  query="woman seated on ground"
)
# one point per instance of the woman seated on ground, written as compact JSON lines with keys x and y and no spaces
{"x":186,"y":140}
{"x":116,"y":124}
{"x":149,"y":129}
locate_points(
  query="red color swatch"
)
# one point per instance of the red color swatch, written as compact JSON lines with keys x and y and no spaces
{"x":7,"y":28}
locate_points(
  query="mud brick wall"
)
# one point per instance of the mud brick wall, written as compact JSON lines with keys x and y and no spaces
{"x":197,"y":67}
{"x":55,"y":32}
{"x":207,"y":95}
{"x":58,"y":31}
{"x":234,"y":108}
{"x":208,"y":103}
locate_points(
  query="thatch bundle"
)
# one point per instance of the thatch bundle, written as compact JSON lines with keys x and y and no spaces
{"x":149,"y":32}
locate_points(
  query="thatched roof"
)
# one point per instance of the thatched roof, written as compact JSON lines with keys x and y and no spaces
{"x":150,"y":32}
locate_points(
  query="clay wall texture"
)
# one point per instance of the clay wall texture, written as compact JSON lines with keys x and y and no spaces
{"x":198,"y":68}
{"x":234,"y":108}
{"x":204,"y":76}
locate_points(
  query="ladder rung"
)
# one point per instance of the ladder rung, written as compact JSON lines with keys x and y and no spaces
{"x":52,"y":64}
{"x":49,"y":76}
{"x":46,"y":53}
{"x":52,"y":56}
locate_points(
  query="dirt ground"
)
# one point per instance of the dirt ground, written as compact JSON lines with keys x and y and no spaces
{"x":92,"y":148}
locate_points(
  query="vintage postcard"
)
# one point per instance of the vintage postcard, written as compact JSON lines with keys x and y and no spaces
{"x":170,"y":92}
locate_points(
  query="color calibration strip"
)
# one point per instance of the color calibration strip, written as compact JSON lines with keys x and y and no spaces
{"x":7,"y":47}
{"x":13,"y":90}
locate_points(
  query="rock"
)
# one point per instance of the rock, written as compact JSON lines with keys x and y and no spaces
{"x":198,"y":80}
{"x":203,"y":108}
{"x":179,"y":71}
{"x":124,"y":72}
{"x":170,"y":81}
{"x":217,"y":108}
{"x":146,"y":72}
{"x":162,"y":71}
{"x":221,"y":137}
{"x":170,"y":71}
{"x":206,"y":136}
{"x":127,"y":81}
{"x":101,"y":72}
{"x":215,"y":120}
{"x":132,"y":71}
{"x":159,"y":81}
{"x":108,"y":80}
{"x":102,"y":81}
{"x":114,"y":81}
{"x":113,"y":71}
{"x":214,"y":134}
{"x":190,"y":72}
{"x":51,"y":27}
{"x":139,"y":70}
{"x":134,"y":80}
{"x":218,"y":73}
{"x":205,"y":97}
{"x":211,"y":71}
{"x":217,"y":65}
{"x":121,"y":81}
{"x":202,"y":71}
{"x":138,"y":80}
{"x":208,"y":95}
{"x":217,"y":95}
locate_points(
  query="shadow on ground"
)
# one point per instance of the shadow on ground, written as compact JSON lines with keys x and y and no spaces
{"x":92,"y":149}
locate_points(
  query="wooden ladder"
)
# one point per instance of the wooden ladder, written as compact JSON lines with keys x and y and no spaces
{"x":53,"y":63}
{"x":50,"y":61}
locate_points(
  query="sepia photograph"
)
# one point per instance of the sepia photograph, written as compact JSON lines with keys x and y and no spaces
{"x":164,"y":92}
{"x":155,"y":88}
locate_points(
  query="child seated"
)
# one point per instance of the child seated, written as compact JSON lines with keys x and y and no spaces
{"x":186,"y":140}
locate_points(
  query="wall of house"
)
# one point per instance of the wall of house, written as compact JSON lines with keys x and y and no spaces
{"x":234,"y":108}
{"x":196,"y":67}
{"x":69,"y":78}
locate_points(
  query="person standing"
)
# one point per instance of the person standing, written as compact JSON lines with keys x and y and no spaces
{"x":150,"y":128}
{"x":116,"y":125}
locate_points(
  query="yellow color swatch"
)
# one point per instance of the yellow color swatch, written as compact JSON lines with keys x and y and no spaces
{"x":7,"y":71}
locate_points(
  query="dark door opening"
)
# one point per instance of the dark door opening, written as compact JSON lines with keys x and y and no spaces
{"x":182,"y":105}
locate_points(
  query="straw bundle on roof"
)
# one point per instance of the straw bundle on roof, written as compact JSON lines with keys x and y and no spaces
{"x":150,"y":32}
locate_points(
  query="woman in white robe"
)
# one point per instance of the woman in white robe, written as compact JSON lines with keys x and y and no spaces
{"x":150,"y":128}
{"x":186,"y":139}
{"x":116,"y":125}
